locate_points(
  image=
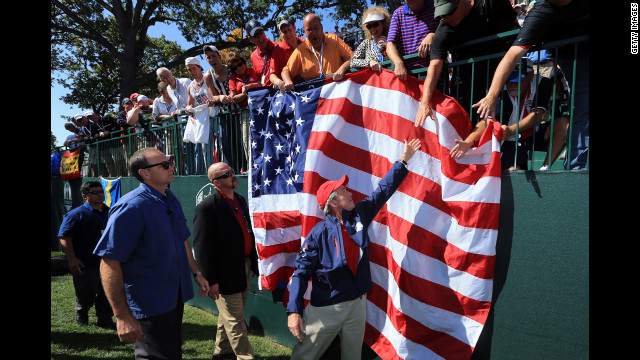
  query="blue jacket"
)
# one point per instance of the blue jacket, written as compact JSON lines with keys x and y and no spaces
{"x":322,"y":256}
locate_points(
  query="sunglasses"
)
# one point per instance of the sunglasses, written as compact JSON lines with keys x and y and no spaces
{"x":373,"y":24}
{"x":165,"y":165}
{"x":235,"y":66}
{"x":96,"y":192}
{"x":225,"y":175}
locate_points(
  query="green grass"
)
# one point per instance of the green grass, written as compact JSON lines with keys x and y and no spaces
{"x":70,"y":341}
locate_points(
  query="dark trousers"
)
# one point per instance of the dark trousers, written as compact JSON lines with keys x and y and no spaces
{"x":162,"y":339}
{"x":89,"y":291}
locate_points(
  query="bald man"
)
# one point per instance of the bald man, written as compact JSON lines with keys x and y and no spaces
{"x":225,"y":250}
{"x":319,"y":55}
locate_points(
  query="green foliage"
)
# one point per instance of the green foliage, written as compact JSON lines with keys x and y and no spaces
{"x":101,"y":52}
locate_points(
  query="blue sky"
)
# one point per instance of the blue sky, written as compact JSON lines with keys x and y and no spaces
{"x":58,"y":108}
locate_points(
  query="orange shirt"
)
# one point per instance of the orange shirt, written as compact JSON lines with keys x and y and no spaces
{"x":304,"y":63}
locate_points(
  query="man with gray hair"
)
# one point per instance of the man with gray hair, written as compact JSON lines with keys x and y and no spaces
{"x":177,"y":88}
{"x":335,"y":255}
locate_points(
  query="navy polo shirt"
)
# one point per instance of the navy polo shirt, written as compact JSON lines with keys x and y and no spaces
{"x":146,"y":233}
{"x":84,"y":226}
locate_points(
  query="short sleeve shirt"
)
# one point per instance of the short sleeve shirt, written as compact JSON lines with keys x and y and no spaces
{"x":236,"y":82}
{"x":84,"y":226}
{"x":146,"y":233}
{"x":303,"y":63}
{"x":546,"y":22}
{"x":270,"y":62}
{"x":408,"y":29}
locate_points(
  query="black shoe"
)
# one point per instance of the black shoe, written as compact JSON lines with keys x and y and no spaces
{"x":107,"y":324}
{"x":82,"y":319}
{"x":226,"y":356}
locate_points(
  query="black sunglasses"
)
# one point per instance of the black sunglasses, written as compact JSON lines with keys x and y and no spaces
{"x":95,"y":192}
{"x":373,"y":24}
{"x":225,"y":175}
{"x":235,"y":66}
{"x":165,"y":165}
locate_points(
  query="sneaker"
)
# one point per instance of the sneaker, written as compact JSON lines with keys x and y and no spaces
{"x":544,"y":168}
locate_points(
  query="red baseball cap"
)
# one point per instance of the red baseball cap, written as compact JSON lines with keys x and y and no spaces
{"x":133,"y":96}
{"x":327,"y":188}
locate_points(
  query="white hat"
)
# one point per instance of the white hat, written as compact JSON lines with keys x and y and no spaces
{"x":142,"y":97}
{"x":78,"y":116}
{"x":210,"y":47}
{"x":88,"y":113}
{"x":373,"y":17}
{"x":190,"y":61}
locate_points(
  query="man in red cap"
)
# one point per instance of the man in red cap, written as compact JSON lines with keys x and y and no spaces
{"x":335,"y":255}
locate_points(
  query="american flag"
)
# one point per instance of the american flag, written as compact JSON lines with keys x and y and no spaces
{"x":432,"y":249}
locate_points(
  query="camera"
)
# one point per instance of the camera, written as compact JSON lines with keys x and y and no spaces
{"x":144,"y":107}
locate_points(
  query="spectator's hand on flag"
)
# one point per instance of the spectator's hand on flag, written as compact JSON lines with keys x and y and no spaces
{"x":424,"y":111}
{"x":460,"y":149}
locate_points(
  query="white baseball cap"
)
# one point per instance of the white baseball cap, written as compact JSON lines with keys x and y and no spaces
{"x":190,"y":61}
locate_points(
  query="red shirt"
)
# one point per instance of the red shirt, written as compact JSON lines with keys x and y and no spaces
{"x":288,"y":50}
{"x":237,"y":211}
{"x":274,"y":58}
{"x":236,"y":82}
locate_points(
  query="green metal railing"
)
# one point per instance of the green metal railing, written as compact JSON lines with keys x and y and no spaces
{"x":108,"y":158}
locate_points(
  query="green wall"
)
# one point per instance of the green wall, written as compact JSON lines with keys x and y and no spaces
{"x":541,"y":287}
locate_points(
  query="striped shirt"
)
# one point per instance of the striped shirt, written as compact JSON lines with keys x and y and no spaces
{"x":408,"y":29}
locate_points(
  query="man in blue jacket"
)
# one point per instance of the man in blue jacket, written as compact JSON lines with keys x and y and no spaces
{"x":335,"y":255}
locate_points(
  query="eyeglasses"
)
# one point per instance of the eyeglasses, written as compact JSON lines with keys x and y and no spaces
{"x":373,"y":24}
{"x":96,"y":192}
{"x":225,"y":175}
{"x":165,"y":165}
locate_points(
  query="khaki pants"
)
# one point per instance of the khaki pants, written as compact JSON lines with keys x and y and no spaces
{"x":232,"y":334}
{"x":322,"y":324}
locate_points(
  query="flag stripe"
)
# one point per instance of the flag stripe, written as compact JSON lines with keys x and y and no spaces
{"x":423,"y":281}
{"x":439,"y":342}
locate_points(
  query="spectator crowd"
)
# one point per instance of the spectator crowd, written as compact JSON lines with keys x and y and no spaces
{"x":207,"y":105}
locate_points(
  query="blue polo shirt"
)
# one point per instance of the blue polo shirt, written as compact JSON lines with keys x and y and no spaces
{"x":146,"y":233}
{"x":84,"y":226}
{"x":408,"y":29}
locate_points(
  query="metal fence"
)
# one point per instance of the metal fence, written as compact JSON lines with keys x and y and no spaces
{"x":229,"y":136}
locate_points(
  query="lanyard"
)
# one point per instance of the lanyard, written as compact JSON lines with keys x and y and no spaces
{"x":375,"y":47}
{"x":316,"y":55}
{"x":264,"y":66}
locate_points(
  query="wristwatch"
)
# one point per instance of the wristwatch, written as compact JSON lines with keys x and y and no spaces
{"x":197,"y":274}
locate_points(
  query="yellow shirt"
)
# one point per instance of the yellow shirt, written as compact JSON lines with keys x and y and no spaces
{"x":304,"y":63}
